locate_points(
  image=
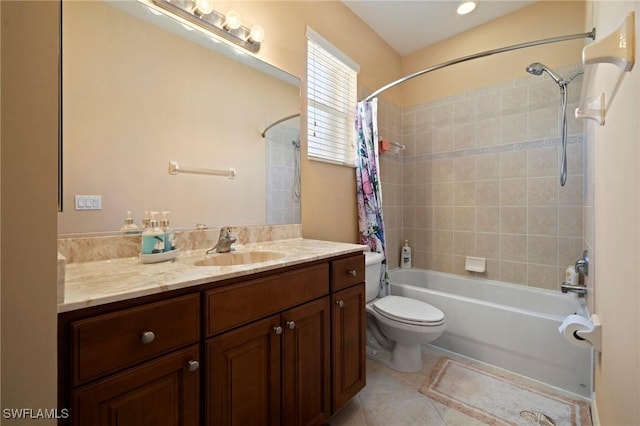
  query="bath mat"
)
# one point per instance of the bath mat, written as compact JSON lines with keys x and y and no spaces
{"x":501,"y":398}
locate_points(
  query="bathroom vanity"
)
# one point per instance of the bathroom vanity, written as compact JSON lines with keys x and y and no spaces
{"x":280,"y":342}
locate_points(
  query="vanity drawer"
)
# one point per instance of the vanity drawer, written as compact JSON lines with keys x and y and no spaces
{"x":110,"y":342}
{"x":347,"y":272}
{"x":238,"y":304}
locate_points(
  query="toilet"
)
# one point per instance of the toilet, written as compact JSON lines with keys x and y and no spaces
{"x":397,"y":326}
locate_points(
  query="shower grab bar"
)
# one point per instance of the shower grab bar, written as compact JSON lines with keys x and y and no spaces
{"x":591,"y":34}
{"x":288,"y":117}
{"x":174,"y":169}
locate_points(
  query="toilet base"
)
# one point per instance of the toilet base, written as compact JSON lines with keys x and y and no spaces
{"x":403,"y":358}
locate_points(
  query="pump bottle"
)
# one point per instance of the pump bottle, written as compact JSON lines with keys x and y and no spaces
{"x":153,"y":237}
{"x":169,"y":234}
{"x":405,"y":257}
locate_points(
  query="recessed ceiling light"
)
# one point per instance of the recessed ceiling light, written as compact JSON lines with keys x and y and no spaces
{"x":466,"y":7}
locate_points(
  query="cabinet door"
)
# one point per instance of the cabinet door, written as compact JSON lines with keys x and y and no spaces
{"x":243,"y":375}
{"x":162,"y":392}
{"x":306,"y":364}
{"x":349,"y":351}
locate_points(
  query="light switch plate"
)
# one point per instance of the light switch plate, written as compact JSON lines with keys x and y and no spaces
{"x":88,"y":202}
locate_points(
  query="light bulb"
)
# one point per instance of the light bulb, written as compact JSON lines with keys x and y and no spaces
{"x":257,"y":34}
{"x":466,"y":7}
{"x":204,"y":7}
{"x":232,"y":20}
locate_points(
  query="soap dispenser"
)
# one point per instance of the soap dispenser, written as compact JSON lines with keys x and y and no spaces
{"x":145,"y":220}
{"x":405,"y":258}
{"x":129,"y":227}
{"x":153,"y":237}
{"x":168,"y":232}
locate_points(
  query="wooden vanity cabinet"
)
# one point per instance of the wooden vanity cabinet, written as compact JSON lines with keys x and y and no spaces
{"x":286,"y":348}
{"x":348,"y":329}
{"x":274,"y":370}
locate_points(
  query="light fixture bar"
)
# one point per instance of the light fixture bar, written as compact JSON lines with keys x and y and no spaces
{"x":239,"y":36}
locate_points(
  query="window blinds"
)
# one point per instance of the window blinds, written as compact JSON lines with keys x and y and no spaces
{"x":332,"y":98}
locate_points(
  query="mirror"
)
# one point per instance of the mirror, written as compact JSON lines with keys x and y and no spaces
{"x":137,"y":95}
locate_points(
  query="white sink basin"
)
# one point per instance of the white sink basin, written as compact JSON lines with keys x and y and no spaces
{"x":239,"y":258}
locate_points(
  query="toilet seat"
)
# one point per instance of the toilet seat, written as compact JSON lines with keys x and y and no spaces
{"x":409,"y":311}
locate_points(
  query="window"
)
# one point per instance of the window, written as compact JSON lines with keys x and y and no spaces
{"x":332,"y":98}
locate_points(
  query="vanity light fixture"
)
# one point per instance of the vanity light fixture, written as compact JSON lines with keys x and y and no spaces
{"x":466,"y":7}
{"x":200,"y":13}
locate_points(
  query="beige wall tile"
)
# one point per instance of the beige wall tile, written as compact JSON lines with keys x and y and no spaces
{"x":513,"y":272}
{"x":488,"y":219}
{"x":464,"y":193}
{"x":408,"y":176}
{"x":464,"y":136}
{"x":513,"y":247}
{"x":487,"y":167}
{"x":443,"y":139}
{"x":513,"y":192}
{"x":464,"y":243}
{"x":542,"y":162}
{"x":543,"y":276}
{"x":575,"y":159}
{"x":543,"y":250}
{"x":569,"y":250}
{"x":464,"y":111}
{"x":514,"y":128}
{"x":514,"y":100}
{"x":424,"y":142}
{"x":443,"y":218}
{"x":423,"y":240}
{"x":424,"y":217}
{"x":488,"y":106}
{"x":543,"y":191}
{"x":543,"y":221}
{"x":570,"y":221}
{"x":424,"y":171}
{"x":513,"y":164}
{"x":443,"y":242}
{"x":488,"y":245}
{"x":443,"y":170}
{"x":543,"y":123}
{"x":488,"y":132}
{"x":487,"y":193}
{"x":572,"y":193}
{"x":443,"y":262}
{"x":443,"y":194}
{"x":464,"y":169}
{"x":464,"y":218}
{"x":513,"y":220}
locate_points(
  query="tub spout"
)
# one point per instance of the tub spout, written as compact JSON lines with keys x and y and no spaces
{"x":580,"y":290}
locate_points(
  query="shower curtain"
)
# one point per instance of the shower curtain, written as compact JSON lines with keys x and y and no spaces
{"x":369,"y":191}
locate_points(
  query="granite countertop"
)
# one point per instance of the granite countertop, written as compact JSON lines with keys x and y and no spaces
{"x":100,"y":282}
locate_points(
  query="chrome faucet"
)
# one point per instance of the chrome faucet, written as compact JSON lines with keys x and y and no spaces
{"x":579,"y":289}
{"x":224,"y":241}
{"x":583,"y":264}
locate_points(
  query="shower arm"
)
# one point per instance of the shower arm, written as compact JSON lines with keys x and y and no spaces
{"x":288,"y":117}
{"x":591,"y":34}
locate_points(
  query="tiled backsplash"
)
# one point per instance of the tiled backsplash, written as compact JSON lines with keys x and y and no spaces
{"x":480,"y":177}
{"x":87,"y":249}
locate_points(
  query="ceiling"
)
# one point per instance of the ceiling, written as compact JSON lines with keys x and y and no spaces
{"x":409,"y":25}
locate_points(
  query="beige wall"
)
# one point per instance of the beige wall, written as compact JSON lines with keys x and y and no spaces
{"x":542,"y":20}
{"x":29,"y":174}
{"x":617,"y":237}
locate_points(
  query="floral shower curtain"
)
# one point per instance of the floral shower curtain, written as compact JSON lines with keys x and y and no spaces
{"x":369,"y":189}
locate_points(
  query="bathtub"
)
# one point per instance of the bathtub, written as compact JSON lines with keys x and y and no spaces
{"x":509,"y":326}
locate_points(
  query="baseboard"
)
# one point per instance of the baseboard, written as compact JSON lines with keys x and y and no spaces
{"x":595,"y":418}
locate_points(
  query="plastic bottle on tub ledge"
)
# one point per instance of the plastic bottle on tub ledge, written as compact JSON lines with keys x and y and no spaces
{"x":405,"y":257}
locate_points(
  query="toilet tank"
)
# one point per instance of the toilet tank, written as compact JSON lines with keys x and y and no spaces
{"x":373,"y":265}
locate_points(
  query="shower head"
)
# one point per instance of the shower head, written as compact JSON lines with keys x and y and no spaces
{"x":537,"y":68}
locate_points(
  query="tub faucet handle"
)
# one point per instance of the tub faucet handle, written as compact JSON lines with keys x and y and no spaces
{"x":583,"y":264}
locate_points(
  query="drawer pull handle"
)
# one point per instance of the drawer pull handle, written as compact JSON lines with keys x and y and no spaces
{"x":340,"y":303}
{"x":291,"y":325}
{"x":193,"y":365}
{"x":352,"y":272}
{"x":277,"y":330}
{"x":147,"y":337}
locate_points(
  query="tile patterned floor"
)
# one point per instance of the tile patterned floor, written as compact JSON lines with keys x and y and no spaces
{"x":391,"y":398}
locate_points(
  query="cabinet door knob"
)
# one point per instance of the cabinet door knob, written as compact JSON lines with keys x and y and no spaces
{"x":291,"y":325}
{"x":340,"y":303}
{"x":352,"y":272}
{"x":277,"y":330}
{"x":193,"y":365}
{"x":147,"y":337}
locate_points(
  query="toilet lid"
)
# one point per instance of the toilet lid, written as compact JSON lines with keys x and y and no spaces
{"x":409,"y":311}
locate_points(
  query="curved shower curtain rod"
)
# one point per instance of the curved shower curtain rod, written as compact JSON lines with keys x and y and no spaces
{"x":591,"y":34}
{"x":288,"y":117}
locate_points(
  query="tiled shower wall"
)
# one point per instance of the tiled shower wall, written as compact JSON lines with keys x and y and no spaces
{"x":479,"y":177}
{"x":283,"y":175}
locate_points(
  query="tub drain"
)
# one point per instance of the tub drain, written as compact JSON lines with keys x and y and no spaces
{"x":537,"y":417}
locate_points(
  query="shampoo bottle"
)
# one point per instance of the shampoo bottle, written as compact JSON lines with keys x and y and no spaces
{"x":405,"y":258}
{"x":169,"y":234}
{"x":153,"y":237}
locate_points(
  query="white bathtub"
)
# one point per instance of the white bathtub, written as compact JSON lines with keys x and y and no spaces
{"x":509,"y":326}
